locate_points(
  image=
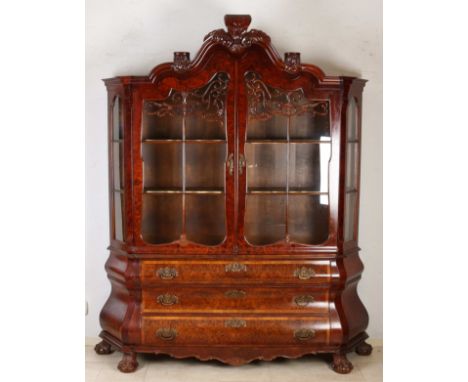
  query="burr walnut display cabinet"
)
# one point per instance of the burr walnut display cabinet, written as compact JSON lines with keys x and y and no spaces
{"x":234,"y":197}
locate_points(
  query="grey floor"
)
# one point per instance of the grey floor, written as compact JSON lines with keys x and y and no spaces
{"x":101,"y":368}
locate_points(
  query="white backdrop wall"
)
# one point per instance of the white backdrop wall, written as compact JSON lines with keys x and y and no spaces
{"x":130,"y":37}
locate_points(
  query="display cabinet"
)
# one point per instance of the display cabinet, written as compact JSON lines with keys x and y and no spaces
{"x":234,"y":203}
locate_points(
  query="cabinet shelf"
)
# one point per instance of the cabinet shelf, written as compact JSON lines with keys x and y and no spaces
{"x":284,"y":192}
{"x":197,"y":192}
{"x":264,"y":141}
{"x":159,"y":141}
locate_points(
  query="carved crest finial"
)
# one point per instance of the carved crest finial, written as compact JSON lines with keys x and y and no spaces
{"x":237,"y":24}
{"x":181,"y":61}
{"x":292,"y":62}
{"x":237,"y":38}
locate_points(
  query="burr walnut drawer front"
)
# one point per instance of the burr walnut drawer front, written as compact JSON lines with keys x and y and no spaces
{"x":235,"y":330}
{"x":234,"y":299}
{"x":252,"y":272}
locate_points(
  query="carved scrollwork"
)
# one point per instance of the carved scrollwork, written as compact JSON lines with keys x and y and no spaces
{"x":207,"y":102}
{"x":265,"y":101}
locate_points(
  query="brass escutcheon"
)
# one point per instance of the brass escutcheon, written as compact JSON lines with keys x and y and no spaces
{"x":166,"y":273}
{"x":235,"y":293}
{"x":167,"y":334}
{"x":304,"y":334}
{"x":235,"y":267}
{"x":167,"y":299}
{"x":242,"y":163}
{"x":235,"y":323}
{"x":303,"y":300}
{"x":230,"y":164}
{"x":304,"y":273}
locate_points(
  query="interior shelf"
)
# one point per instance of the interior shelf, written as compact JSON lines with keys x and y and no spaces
{"x":156,"y":141}
{"x":190,"y":191}
{"x":284,"y":192}
{"x":259,"y":141}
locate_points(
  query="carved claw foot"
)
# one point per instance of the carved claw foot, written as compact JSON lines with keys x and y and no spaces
{"x":341,"y":364}
{"x":363,"y":348}
{"x":128,"y":364}
{"x":103,"y":347}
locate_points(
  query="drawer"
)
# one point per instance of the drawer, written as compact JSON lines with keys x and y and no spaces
{"x":220,"y":271}
{"x":173,"y":331}
{"x":234,"y":299}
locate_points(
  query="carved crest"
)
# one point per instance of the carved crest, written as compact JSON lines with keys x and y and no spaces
{"x":237,"y":38}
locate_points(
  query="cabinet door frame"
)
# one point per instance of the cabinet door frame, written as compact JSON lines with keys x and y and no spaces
{"x":160,"y":91}
{"x":258,"y":62}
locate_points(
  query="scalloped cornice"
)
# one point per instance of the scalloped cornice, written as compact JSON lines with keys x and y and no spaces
{"x":236,"y":40}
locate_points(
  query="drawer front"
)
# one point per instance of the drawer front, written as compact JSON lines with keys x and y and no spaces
{"x":237,"y":330}
{"x":252,"y":272}
{"x":234,"y":299}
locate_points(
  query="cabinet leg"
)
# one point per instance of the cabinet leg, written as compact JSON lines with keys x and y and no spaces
{"x":128,"y":364}
{"x":363,"y":348}
{"x":103,"y":347}
{"x":341,"y":364}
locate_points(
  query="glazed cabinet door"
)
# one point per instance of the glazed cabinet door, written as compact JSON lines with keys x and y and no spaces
{"x":184,"y":160}
{"x":287,"y":129}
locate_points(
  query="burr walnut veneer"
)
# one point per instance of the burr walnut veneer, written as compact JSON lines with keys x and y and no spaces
{"x":234,"y":197}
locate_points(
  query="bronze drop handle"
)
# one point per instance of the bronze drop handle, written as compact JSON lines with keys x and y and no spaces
{"x":167,"y":334}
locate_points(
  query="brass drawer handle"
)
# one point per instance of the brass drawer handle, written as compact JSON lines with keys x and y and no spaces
{"x":304,"y":273}
{"x":303,"y":300}
{"x":304,"y":334}
{"x":167,"y":273}
{"x":230,"y":164}
{"x":235,"y":323}
{"x":167,"y":299}
{"x":235,"y":293}
{"x":235,"y":267}
{"x":167,"y":334}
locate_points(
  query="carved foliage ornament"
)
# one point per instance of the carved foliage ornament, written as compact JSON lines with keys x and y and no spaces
{"x":266,"y":101}
{"x":207,"y":102}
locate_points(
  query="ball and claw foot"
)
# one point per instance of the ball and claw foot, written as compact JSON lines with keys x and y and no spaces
{"x":363,"y":348}
{"x":128,"y":364}
{"x":103,"y":347}
{"x":341,"y":364}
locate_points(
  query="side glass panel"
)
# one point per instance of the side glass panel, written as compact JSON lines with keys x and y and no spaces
{"x":287,"y":153}
{"x":352,"y":162}
{"x":184,"y":152}
{"x":118,"y":172}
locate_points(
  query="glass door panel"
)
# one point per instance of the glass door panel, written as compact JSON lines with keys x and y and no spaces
{"x":266,"y":166}
{"x":118,"y":169}
{"x":265,"y":218}
{"x":287,"y":153}
{"x":162,"y":166}
{"x":308,"y":218}
{"x":271,"y":128}
{"x":206,"y":222}
{"x":184,"y":152}
{"x":352,"y":163}
{"x":162,"y":217}
{"x":205,"y":166}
